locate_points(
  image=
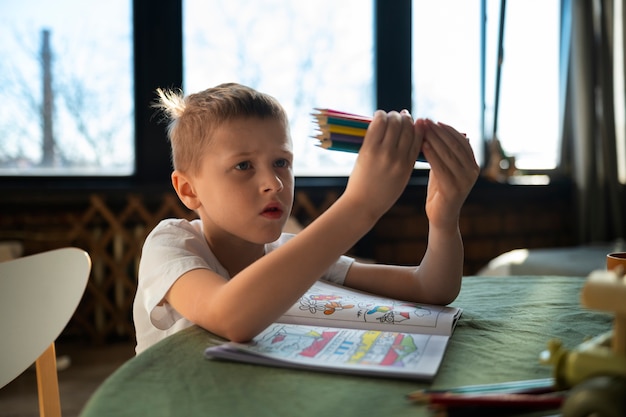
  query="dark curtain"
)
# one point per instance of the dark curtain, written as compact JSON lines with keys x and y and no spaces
{"x":589,"y":118}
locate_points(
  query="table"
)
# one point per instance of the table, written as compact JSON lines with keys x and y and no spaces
{"x":506,"y":323}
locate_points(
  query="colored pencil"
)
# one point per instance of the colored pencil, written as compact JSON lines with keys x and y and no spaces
{"x":326,"y":117}
{"x":344,"y":130}
{"x":329,"y":120}
{"x":516,"y":401}
{"x":340,"y":146}
{"x":442,"y":411}
{"x":340,"y":137}
{"x":529,"y":386}
{"x":322,"y":114}
{"x":536,"y":394}
{"x":341,"y":131}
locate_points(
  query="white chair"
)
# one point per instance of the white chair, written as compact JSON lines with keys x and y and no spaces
{"x":38,"y":296}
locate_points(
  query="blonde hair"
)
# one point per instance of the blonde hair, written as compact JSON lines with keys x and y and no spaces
{"x":192,"y":119}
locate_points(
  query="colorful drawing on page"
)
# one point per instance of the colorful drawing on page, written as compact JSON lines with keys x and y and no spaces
{"x":348,"y":305}
{"x":328,"y":304}
{"x":391,"y":313}
{"x":342,"y":345}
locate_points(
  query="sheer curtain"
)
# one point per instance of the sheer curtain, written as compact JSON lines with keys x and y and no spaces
{"x":589,"y":118}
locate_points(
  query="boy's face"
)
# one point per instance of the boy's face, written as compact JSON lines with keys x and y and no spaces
{"x":245,"y":185}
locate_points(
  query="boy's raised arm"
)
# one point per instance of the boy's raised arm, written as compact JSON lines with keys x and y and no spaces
{"x":258,"y":295}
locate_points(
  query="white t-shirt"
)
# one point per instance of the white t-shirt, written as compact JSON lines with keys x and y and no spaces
{"x":174,"y":247}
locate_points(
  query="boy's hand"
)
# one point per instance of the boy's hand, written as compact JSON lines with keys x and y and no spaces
{"x":385,"y":161}
{"x":452,"y":175}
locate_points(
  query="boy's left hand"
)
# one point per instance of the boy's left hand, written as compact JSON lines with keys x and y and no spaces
{"x":452,"y":175}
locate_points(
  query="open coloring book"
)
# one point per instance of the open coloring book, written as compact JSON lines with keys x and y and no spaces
{"x":337,"y":329}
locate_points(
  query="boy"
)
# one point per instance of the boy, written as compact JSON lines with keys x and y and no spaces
{"x":232,"y":156}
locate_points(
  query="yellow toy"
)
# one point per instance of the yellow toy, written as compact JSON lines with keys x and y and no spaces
{"x":595,"y":371}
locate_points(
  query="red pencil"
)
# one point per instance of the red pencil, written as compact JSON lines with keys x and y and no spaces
{"x":341,"y":114}
{"x":447,"y":399}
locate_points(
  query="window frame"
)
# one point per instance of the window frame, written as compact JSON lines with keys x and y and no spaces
{"x":158,"y":62}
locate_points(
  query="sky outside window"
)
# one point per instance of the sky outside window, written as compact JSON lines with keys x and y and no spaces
{"x":306,"y":54}
{"x":447,"y":65}
{"x":89,"y":122}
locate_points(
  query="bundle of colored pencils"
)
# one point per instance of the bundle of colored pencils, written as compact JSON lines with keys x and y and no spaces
{"x":341,"y":131}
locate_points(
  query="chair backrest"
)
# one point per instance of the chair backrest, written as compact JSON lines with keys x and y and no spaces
{"x":38,"y":296}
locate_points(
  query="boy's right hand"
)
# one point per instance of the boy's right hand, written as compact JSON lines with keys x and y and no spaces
{"x":385,"y":162}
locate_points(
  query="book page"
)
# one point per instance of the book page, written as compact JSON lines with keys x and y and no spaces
{"x":326,"y":304}
{"x":415,"y":356}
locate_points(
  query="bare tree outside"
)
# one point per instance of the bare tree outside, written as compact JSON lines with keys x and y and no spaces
{"x":66,"y":90}
{"x":70,"y":88}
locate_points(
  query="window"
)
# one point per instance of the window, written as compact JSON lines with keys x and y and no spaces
{"x":620,"y":87}
{"x":66,"y":99}
{"x":306,"y":54}
{"x":447,"y":72}
{"x":446,"y":65}
{"x":308,"y":58}
{"x":528,"y":115}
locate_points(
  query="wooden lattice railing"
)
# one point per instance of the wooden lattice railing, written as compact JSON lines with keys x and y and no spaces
{"x":113,"y":237}
{"x":112,"y":230}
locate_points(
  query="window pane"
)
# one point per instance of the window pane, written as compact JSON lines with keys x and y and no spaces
{"x":297,"y":51}
{"x":66,"y":99}
{"x":528,"y":122}
{"x":447,"y":80}
{"x":447,"y":63}
{"x":619,"y":88}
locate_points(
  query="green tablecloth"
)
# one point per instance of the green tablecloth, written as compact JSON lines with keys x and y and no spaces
{"x":506,"y":323}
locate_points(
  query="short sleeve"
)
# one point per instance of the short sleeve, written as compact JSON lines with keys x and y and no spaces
{"x":174,"y":247}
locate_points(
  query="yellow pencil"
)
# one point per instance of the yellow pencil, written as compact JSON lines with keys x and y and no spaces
{"x":344,"y":130}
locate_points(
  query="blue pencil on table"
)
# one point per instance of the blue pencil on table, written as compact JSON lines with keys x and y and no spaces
{"x":528,"y":386}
